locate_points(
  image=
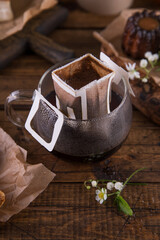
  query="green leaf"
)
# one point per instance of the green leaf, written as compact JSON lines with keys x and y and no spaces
{"x":123,"y":206}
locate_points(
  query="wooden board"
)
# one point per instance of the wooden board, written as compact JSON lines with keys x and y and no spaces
{"x":62,"y":212}
{"x":33,"y":36}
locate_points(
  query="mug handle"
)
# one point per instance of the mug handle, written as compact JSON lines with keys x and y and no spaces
{"x":17,"y":96}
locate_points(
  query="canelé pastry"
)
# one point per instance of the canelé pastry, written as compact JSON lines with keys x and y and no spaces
{"x":141,"y":34}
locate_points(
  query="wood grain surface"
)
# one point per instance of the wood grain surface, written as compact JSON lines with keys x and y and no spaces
{"x":66,"y":210}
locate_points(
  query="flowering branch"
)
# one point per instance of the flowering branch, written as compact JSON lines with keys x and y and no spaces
{"x":108,"y":185}
{"x":150,"y":62}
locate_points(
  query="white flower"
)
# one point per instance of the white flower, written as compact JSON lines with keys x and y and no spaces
{"x":144,"y":80}
{"x":155,"y":56}
{"x":130,"y":67}
{"x":131,"y":71}
{"x":151,"y":58}
{"x":147,"y":54}
{"x":101,"y":195}
{"x":136,"y":74}
{"x":119,"y":186}
{"x":143,"y":63}
{"x":94,"y":183}
{"x":110,"y":185}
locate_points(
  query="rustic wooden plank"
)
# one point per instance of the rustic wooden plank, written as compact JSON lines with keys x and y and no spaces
{"x":142,"y":228}
{"x":114,"y":167}
{"x":82,"y":41}
{"x":68,"y":205}
{"x":78,"y":18}
{"x":144,"y":135}
{"x":140,"y":198}
{"x":138,"y":149}
{"x":26,"y":64}
{"x":116,"y":163}
{"x":63,"y":195}
{"x":117,"y":166}
{"x":48,"y":224}
{"x":81,"y":176}
{"x":145,"y":216}
{"x":99,"y":224}
{"x":22,"y":74}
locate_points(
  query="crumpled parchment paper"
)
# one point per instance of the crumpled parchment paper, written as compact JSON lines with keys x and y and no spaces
{"x":23,"y":11}
{"x":20,"y":181}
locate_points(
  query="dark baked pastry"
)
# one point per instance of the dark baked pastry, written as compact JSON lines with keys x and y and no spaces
{"x":141,"y":34}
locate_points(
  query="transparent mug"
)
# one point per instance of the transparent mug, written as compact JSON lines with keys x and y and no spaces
{"x":92,"y":139}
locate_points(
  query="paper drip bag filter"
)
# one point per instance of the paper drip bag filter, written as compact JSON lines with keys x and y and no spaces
{"x":82,"y":88}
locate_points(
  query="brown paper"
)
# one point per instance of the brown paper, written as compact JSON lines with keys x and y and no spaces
{"x":6,"y":13}
{"x":2,"y":198}
{"x":23,"y":11}
{"x":20,"y":181}
{"x":111,"y":38}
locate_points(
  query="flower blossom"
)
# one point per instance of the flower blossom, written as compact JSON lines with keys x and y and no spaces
{"x":143,"y":63}
{"x":101,"y":195}
{"x":119,"y":186}
{"x":94,"y":183}
{"x":151,"y":57}
{"x":110,"y":185}
{"x":132,"y":71}
{"x":155,"y":56}
{"x":144,"y":80}
{"x":147,"y":54}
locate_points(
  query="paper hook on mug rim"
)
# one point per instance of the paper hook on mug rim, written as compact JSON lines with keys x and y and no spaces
{"x":57,"y":127}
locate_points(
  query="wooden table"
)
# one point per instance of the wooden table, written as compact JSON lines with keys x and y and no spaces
{"x":66,"y":210}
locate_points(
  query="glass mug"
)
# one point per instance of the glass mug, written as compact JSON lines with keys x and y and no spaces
{"x":92,"y":139}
